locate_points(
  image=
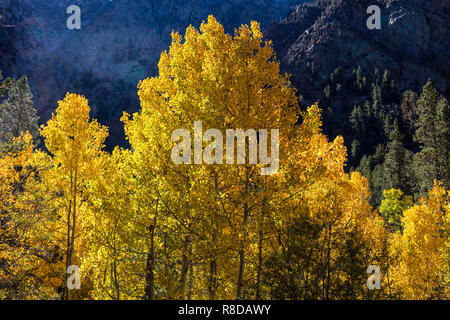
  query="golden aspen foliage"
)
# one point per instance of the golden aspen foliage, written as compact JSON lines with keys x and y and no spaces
{"x":422,"y":270}
{"x":14,"y":260}
{"x":24,"y":255}
{"x":110,"y":257}
{"x":226,"y":82}
{"x":225,"y":221}
{"x":393,"y":205}
{"x":141,"y":226}
{"x":75,"y":144}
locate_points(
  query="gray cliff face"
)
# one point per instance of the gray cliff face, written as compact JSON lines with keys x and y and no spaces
{"x":413,"y":42}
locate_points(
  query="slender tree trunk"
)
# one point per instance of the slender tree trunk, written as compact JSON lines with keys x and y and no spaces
{"x":184,"y":267}
{"x":149,"y":272}
{"x":212,"y":279}
{"x":150,"y":267}
{"x":328,"y":265}
{"x":68,"y":254}
{"x":260,"y":260}
{"x":260,"y":246}
{"x":241,"y":274}
{"x":212,"y":282}
{"x":191,"y":280}
{"x":240,"y":282}
{"x":167,"y":268}
{"x":71,"y":223}
{"x":116,"y":280}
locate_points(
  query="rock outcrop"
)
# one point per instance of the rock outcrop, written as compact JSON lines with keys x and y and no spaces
{"x":413,"y":42}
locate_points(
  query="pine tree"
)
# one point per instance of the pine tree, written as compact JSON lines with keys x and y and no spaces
{"x":443,"y":128}
{"x":377,"y":99}
{"x":359,"y":78}
{"x":17,"y":113}
{"x":387,"y":86}
{"x":4,"y":84}
{"x":358,"y":119}
{"x":397,"y":164}
{"x":408,"y":106}
{"x":430,"y":163}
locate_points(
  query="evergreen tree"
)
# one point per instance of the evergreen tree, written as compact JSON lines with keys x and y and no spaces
{"x":376,"y":181}
{"x":4,"y":84}
{"x":17,"y":113}
{"x":377,"y":185}
{"x":360,"y":79}
{"x":408,"y":105}
{"x":430,"y":162}
{"x":387,"y":87}
{"x":357,"y":119}
{"x":443,"y":127}
{"x":377,"y":98}
{"x":409,"y":117}
{"x":355,"y":151}
{"x":396,"y":165}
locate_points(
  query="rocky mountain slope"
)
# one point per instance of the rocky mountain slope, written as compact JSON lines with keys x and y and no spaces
{"x":321,"y":43}
{"x":328,"y":49}
{"x":412,"y":43}
{"x":119,"y":43}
